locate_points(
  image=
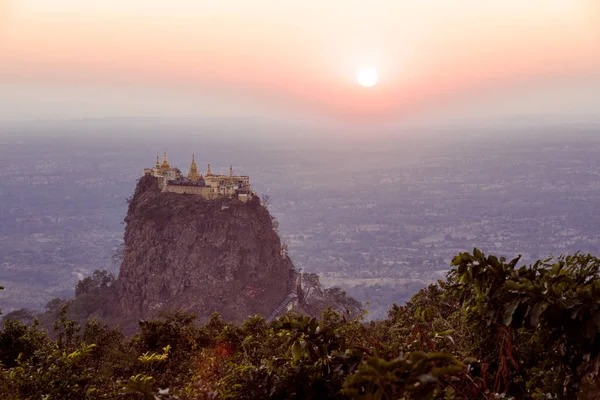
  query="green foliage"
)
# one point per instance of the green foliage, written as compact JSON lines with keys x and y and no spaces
{"x":417,"y":376}
{"x":100,"y":280}
{"x":494,"y":329}
{"x":546,"y":317}
{"x":19,"y":342}
{"x":154,"y":358}
{"x":142,"y":384}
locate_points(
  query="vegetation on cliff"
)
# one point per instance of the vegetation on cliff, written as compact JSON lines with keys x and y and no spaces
{"x":492,"y":329}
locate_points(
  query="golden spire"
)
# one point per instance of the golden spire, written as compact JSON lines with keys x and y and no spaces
{"x":157,"y":162}
{"x":208,"y":173}
{"x":231,"y":171}
{"x":193,"y":175}
{"x":165,"y":164}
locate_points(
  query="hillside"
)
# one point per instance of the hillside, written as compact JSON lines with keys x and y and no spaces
{"x":184,"y":252}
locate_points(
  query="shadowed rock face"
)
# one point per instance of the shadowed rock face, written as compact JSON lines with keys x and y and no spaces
{"x":185,"y":252}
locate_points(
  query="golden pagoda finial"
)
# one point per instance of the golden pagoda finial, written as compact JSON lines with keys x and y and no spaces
{"x":193,"y":175}
{"x":208,"y":173}
{"x":231,"y":171}
{"x":165,"y":164}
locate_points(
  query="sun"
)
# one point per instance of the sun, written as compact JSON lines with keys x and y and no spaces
{"x":367,"y":77}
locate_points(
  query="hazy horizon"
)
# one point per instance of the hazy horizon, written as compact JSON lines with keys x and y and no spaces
{"x":296,"y":62}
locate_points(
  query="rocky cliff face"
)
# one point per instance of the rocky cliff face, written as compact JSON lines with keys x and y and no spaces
{"x":184,"y":252}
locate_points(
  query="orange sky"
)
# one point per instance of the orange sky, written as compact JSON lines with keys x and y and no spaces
{"x":300,"y":55}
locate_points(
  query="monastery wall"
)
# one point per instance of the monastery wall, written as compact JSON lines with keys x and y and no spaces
{"x":210,"y":187}
{"x":204,"y":191}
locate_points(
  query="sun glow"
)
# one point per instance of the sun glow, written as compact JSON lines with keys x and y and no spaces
{"x":367,"y":77}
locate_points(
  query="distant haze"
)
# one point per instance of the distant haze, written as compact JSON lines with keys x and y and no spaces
{"x":297,"y":59}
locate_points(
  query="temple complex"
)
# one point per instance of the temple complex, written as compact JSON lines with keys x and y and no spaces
{"x":209,"y":186}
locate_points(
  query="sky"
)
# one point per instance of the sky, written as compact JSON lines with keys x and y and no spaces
{"x":64,"y":59}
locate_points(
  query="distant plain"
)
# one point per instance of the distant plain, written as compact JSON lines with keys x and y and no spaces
{"x":379,"y":217}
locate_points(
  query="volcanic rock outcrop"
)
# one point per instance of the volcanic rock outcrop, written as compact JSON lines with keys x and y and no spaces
{"x":183,"y":252}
